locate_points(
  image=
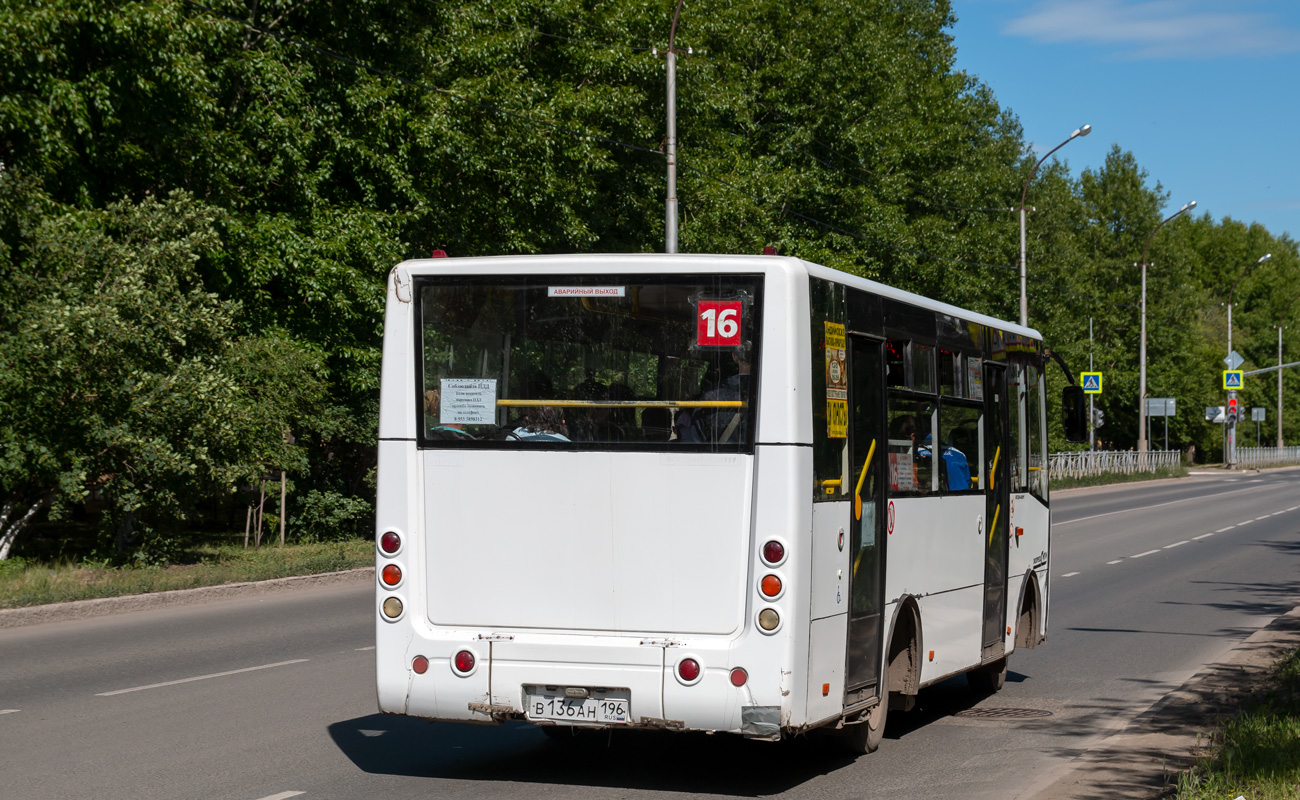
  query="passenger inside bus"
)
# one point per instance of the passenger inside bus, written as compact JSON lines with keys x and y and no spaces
{"x":541,"y":424}
{"x":954,"y":472}
{"x":719,"y":424}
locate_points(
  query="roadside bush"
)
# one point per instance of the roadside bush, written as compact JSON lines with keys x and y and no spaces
{"x":331,"y":517}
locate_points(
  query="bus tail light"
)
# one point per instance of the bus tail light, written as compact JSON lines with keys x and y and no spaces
{"x":464,"y":661}
{"x":420,"y":665}
{"x":688,"y":669}
{"x":770,"y":586}
{"x":390,"y":542}
{"x":391,"y":575}
{"x":739,"y":676}
{"x":774,"y":553}
{"x":768,"y":619}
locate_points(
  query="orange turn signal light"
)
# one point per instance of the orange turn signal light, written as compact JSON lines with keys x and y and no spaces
{"x":392,"y":575}
{"x":771,"y":585}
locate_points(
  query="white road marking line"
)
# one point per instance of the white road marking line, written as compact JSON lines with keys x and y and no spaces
{"x":1069,"y":575}
{"x":9,"y":710}
{"x":1245,"y":522}
{"x":281,"y":796}
{"x":1293,"y":508}
{"x":1157,"y":505}
{"x":1147,"y":553}
{"x":1277,"y":513}
{"x":201,"y":678}
{"x":1116,"y":561}
{"x":1176,"y":544}
{"x":1266,"y":516}
{"x":371,"y":647}
{"x":1225,"y":530}
{"x":1202,"y":536}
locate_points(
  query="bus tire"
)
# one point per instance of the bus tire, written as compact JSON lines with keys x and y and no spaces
{"x":865,"y":737}
{"x":990,"y":678}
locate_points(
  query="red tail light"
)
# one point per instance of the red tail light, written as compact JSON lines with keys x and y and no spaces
{"x":390,"y":542}
{"x":688,"y":669}
{"x":464,"y":661}
{"x":392,"y":575}
{"x":773,"y":552}
{"x":420,"y":664}
{"x":739,"y":676}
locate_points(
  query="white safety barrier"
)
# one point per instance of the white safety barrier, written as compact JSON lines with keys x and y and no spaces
{"x":1084,"y":463}
{"x":1255,"y":457}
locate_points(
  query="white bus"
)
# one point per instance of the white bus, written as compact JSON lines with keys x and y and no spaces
{"x":695,"y":492}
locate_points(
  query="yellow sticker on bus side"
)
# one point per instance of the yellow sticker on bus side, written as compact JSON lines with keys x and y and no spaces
{"x":837,"y":382}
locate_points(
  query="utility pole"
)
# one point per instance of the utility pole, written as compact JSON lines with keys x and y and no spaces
{"x":1279,"y":386}
{"x":1092,"y":431}
{"x":670,"y":141}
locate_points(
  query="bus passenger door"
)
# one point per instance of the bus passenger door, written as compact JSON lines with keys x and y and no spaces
{"x":997,"y":515}
{"x":867,"y":556}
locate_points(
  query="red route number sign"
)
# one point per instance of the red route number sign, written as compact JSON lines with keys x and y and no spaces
{"x":717,"y":323}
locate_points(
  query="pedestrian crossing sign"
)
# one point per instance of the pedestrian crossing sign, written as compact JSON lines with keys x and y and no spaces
{"x":1091,"y":382}
{"x":1232,"y":379}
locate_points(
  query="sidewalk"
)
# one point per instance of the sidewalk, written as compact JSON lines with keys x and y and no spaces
{"x":85,"y":609}
{"x":1144,"y":758}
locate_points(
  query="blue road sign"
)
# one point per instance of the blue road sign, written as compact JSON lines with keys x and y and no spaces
{"x":1232,"y":379}
{"x":1091,"y":382}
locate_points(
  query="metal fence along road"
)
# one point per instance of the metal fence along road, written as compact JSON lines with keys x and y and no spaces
{"x":1252,"y":457}
{"x":1084,"y":463}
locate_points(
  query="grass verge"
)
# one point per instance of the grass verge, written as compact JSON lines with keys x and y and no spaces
{"x":28,"y":584}
{"x":1108,"y":478}
{"x":1255,"y":754}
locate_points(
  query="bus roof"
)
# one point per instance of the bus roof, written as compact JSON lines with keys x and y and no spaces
{"x":595,"y":263}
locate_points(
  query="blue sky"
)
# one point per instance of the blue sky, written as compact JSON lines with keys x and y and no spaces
{"x":1205,"y":93}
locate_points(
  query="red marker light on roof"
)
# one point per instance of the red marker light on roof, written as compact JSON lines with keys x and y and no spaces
{"x":439,"y":254}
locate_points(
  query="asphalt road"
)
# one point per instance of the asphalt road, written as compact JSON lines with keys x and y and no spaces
{"x":273,"y":697}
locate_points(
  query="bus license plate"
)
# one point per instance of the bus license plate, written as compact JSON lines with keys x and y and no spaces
{"x":602,"y":710}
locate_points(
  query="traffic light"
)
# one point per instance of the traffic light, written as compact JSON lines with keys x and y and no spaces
{"x":1098,"y":418}
{"x":1234,"y":411}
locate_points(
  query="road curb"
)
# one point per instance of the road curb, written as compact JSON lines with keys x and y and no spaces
{"x":100,"y":607}
{"x":1146,"y":756}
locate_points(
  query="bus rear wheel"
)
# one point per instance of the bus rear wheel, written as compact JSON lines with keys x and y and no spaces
{"x":865,"y":736}
{"x":989,"y":678}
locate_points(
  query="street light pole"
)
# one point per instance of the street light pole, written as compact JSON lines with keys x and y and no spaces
{"x":1231,"y":445}
{"x":670,"y":141}
{"x":1024,"y":297}
{"x":1142,"y":355}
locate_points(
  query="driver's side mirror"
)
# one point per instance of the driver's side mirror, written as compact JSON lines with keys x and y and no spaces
{"x":1074,"y":410}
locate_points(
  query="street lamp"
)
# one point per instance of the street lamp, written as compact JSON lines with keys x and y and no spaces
{"x":1142,"y":355}
{"x":1231,"y":445}
{"x":1024,"y":298}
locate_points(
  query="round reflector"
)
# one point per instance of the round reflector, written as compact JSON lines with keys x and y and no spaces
{"x":390,"y":542}
{"x":768,"y":619}
{"x":392,"y":575}
{"x":688,"y":669}
{"x":773,"y":552}
{"x":739,"y":676}
{"x":392,"y":608}
{"x":420,"y":664}
{"x":771,"y":585}
{"x":464,"y":661}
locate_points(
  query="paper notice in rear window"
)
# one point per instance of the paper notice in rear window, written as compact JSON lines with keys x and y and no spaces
{"x":468,"y":401}
{"x":585,"y":291}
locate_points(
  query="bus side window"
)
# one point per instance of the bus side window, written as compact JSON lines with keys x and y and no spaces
{"x":911,"y":469}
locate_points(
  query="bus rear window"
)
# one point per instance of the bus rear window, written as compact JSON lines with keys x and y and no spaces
{"x":572,"y":362}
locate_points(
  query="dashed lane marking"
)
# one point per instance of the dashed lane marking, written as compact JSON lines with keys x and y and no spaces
{"x":1266,"y":516}
{"x":281,"y":796}
{"x":9,"y":710}
{"x":1116,"y":561}
{"x":1202,"y":536}
{"x":1147,"y":553}
{"x":203,"y":678}
{"x":1176,"y":544}
{"x":360,"y":649}
{"x":1245,"y":522}
{"x":1225,"y":530}
{"x":1069,"y":575}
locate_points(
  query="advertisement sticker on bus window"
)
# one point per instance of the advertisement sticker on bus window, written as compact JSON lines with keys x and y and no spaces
{"x":468,"y":401}
{"x":586,"y":291}
{"x":717,"y":323}
{"x":975,"y":378}
{"x":837,"y":383}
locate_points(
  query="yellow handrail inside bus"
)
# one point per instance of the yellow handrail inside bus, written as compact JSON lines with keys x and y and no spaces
{"x":996,"y":511}
{"x":993,"y":470}
{"x":622,"y":403}
{"x":857,"y":491}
